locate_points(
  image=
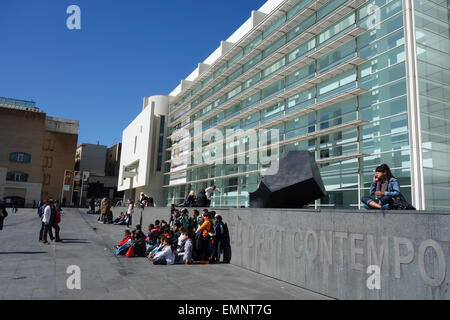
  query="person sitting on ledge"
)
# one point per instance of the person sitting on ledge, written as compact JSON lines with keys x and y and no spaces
{"x":122,"y":220}
{"x":385,"y":187}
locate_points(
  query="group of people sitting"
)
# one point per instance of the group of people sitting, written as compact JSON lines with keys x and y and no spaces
{"x":183,"y":240}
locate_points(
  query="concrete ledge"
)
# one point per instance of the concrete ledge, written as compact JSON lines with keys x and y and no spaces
{"x":329,"y":251}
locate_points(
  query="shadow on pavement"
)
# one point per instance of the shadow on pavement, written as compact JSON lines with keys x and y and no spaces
{"x":67,"y":240}
{"x":24,"y":252}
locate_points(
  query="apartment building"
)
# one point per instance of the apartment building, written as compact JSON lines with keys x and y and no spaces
{"x":36,"y":150}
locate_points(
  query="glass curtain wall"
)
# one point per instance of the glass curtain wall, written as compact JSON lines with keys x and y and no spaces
{"x":347,"y":157}
{"x":433,"y":47}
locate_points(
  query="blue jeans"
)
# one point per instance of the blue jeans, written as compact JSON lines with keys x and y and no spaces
{"x":383,"y":200}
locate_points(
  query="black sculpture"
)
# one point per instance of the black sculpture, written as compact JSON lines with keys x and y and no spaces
{"x":296,"y":184}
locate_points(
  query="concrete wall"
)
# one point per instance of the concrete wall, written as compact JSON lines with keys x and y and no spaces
{"x":329,"y":251}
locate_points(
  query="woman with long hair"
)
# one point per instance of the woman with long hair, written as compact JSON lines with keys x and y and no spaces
{"x":384,"y":187}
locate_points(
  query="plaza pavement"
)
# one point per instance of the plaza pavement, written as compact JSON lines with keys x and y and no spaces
{"x":32,"y":270}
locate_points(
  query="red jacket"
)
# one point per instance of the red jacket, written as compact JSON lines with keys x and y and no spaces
{"x":124,"y":240}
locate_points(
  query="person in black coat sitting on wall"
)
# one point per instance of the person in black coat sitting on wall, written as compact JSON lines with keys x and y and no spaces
{"x":201,"y":199}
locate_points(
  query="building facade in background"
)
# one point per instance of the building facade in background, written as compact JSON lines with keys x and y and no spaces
{"x":143,"y":152}
{"x":112,"y":164}
{"x":36,"y":150}
{"x":99,"y":168}
{"x":358,"y":83}
{"x":91,"y":158}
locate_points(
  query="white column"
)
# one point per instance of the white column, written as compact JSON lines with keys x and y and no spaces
{"x":414,"y":125}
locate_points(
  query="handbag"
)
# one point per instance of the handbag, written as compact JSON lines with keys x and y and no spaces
{"x":401,"y":204}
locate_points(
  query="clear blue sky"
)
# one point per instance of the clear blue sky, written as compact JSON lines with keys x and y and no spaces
{"x":124,"y":51}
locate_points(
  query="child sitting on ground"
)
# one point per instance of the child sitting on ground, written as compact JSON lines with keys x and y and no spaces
{"x":165,"y":256}
{"x":137,"y":247}
{"x":126,"y":238}
{"x":184,"y":253}
{"x":181,"y":238}
{"x":176,"y":231}
{"x":152,"y":250}
{"x":123,"y":245}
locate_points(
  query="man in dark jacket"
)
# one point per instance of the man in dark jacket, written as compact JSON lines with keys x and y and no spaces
{"x":219,"y":238}
{"x":54,"y":222}
{"x":138,"y":244}
{"x":194,"y":221}
{"x":226,"y":246}
{"x":3,"y":214}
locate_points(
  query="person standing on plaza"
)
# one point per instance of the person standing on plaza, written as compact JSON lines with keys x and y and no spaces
{"x":203,"y":238}
{"x":45,"y":223}
{"x":130,"y":211}
{"x":55,"y":219}
{"x":209,"y":194}
{"x":3,"y":214}
{"x":92,"y":205}
{"x":105,"y":209}
{"x":184,"y":218}
{"x":194,"y":221}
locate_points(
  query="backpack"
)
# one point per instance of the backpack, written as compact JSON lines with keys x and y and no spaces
{"x":212,"y":230}
{"x":41,"y":211}
{"x":401,"y":204}
{"x":58,"y":217}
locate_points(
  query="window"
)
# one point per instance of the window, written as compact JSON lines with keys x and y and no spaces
{"x":20,"y":157}
{"x":48,"y":162}
{"x":161,"y":143}
{"x":135,"y":144}
{"x":17,"y":176}
{"x":46,"y":179}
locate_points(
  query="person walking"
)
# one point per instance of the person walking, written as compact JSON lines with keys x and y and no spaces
{"x":45,"y":223}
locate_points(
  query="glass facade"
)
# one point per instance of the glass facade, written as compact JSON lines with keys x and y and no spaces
{"x":433,"y":47}
{"x":333,"y":83}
